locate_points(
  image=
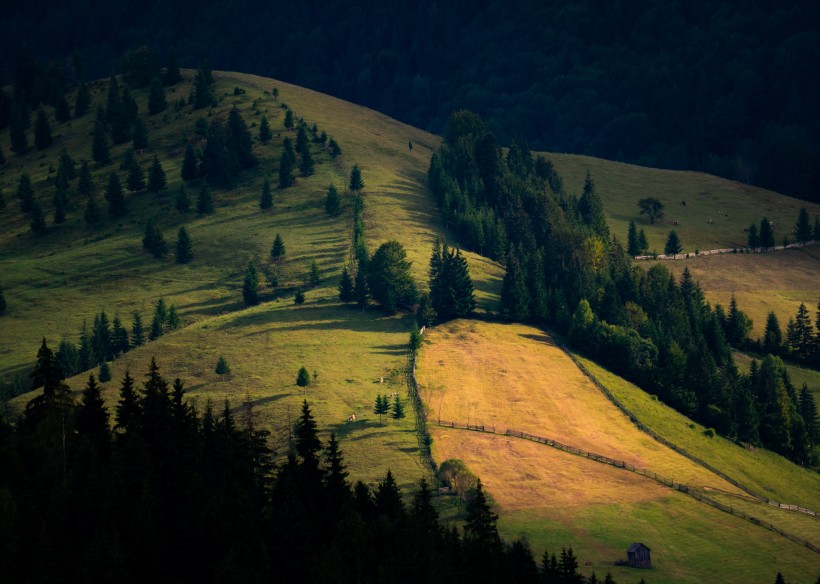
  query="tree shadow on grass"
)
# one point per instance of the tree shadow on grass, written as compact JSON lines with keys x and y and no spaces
{"x":542,"y":338}
{"x":346,"y":429}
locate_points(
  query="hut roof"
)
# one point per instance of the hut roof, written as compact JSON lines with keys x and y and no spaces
{"x":636,"y":546}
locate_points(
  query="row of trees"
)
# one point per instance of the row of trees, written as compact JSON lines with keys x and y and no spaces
{"x":563,"y":270}
{"x":801,"y":341}
{"x":108,"y":338}
{"x":167,"y":476}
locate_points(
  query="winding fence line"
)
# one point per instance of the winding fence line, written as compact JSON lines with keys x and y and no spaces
{"x":657,"y":437}
{"x":667,"y":482}
{"x":735,"y":250}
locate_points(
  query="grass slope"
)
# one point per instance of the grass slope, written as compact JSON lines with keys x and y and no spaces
{"x":514,"y":376}
{"x":53,"y":283}
{"x":731,"y":205}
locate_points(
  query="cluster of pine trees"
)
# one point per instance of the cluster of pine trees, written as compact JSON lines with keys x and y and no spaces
{"x":107,"y":339}
{"x":563,"y":270}
{"x":158,"y":491}
{"x":801,"y":341}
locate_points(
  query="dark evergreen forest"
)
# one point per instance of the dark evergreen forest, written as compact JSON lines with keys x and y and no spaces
{"x":726,"y":88}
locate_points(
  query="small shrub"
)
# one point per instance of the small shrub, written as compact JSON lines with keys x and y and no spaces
{"x":299,"y":297}
{"x":709,"y":433}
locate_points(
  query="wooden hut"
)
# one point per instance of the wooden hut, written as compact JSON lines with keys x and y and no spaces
{"x":638,"y":556}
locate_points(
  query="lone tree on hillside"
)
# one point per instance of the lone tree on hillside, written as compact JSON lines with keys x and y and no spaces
{"x":136,"y":178}
{"x":205,"y":201}
{"x":266,"y":197}
{"x":633,"y":244}
{"x":189,"y":170}
{"x":673,"y":245}
{"x":277,"y":250}
{"x":222,"y":368}
{"x":753,"y":241}
{"x":398,"y":408}
{"x":115,"y":197}
{"x":356,"y":183}
{"x":333,"y":205}
{"x":652,"y":208}
{"x":156,"y":177}
{"x":766,"y":233}
{"x":303,"y":377}
{"x":265,"y":133}
{"x":184,"y":252}
{"x":250,"y":292}
{"x":802,"y":229}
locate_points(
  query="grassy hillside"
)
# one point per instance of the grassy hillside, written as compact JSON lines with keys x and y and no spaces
{"x":513,"y":376}
{"x":52,"y":283}
{"x":731,"y":205}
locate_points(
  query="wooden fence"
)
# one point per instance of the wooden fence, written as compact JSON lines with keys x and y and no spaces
{"x":683,"y":452}
{"x":670,"y":483}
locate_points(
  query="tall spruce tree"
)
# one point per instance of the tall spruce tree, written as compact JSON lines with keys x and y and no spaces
{"x":60,"y":203}
{"x":673,"y":244}
{"x":753,"y":240}
{"x":38,"y":218}
{"x":25,"y":193}
{"x":240,"y":139}
{"x":128,"y":406}
{"x":114,"y":196}
{"x":766,"y":234}
{"x":591,"y":209}
{"x":82,"y":102}
{"x":85,"y":183}
{"x":156,"y":177}
{"x":266,"y":196}
{"x":361,"y":288}
{"x":153,"y":241}
{"x":189,"y":169}
{"x":250,"y":286}
{"x":265,"y":133}
{"x":136,"y":177}
{"x":91,"y":214}
{"x":389,"y":278}
{"x":773,"y":336}
{"x":172,"y":74}
{"x":356,"y":183}
{"x":632,"y":243}
{"x":205,"y":201}
{"x":287,"y":161}
{"x":100,"y":152}
{"x":184,"y":252}
{"x":277,"y":250}
{"x":802,"y":229}
{"x":333,"y":204}
{"x":346,"y":287}
{"x":137,"y":331}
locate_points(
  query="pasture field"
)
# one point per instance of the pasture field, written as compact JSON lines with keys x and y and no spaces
{"x":732,"y":206}
{"x":777,"y":281}
{"x":513,"y":376}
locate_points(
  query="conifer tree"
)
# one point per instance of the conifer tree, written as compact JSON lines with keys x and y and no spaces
{"x":136,"y":178}
{"x":306,"y":165}
{"x":772,"y":337}
{"x":591,"y":209}
{"x":139,"y":136}
{"x":356,"y":183}
{"x":156,"y":177}
{"x":240,"y":139}
{"x":808,"y":411}
{"x":333,"y":204}
{"x":205,"y":201}
{"x":398,"y":408}
{"x":157,"y":328}
{"x":38,"y":218}
{"x":303,"y":377}
{"x":250,"y":286}
{"x":62,"y":113}
{"x":2,"y":302}
{"x":389,"y":278}
{"x":266,"y":197}
{"x":299,"y":296}
{"x":115,"y":197}
{"x":128,"y":406}
{"x":361,"y":288}
{"x":92,"y":417}
{"x":25,"y":192}
{"x":632,"y":242}
{"x":381,"y":407}
{"x":137,"y":331}
{"x":815,"y":234}
{"x":802,"y":229}
{"x":189,"y":164}
{"x":287,"y":161}
{"x":753,"y":240}
{"x":346,"y":287}
{"x":184,"y":253}
{"x":119,"y":337}
{"x":172,"y":74}
{"x":156,"y":98}
{"x":130,"y":110}
{"x":804,"y":334}
{"x":59,"y":205}
{"x":99,"y":147}
{"x":42,"y":130}
{"x":387,"y":499}
{"x":265,"y":133}
{"x":334,"y":148}
{"x":335,"y":473}
{"x":277,"y":250}
{"x":182,"y":202}
{"x":105,"y":372}
{"x":288,"y":119}
{"x":673,"y":244}
{"x":91,"y":215}
{"x":480,"y":525}
{"x":222,"y":368}
{"x":314,"y":275}
{"x":766,"y":234}
{"x":82,"y":102}
{"x":515,"y":300}
{"x":85,"y":183}
{"x":153,"y":241}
